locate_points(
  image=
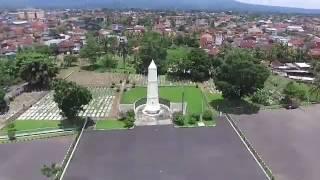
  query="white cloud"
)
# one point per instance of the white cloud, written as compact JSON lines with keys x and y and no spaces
{"x":308,"y":4}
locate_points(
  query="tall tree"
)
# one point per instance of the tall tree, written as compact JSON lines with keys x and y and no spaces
{"x":123,"y":48}
{"x":70,"y":98}
{"x":69,"y":59}
{"x":91,"y":49}
{"x":240,"y":75}
{"x":38,"y":73}
{"x":151,"y":51}
{"x":199,"y":64}
{"x":3,"y":103}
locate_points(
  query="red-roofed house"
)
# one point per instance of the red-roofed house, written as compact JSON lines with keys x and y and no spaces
{"x":24,"y":42}
{"x":38,"y":26}
{"x":214,"y":51}
{"x":247,"y":44}
{"x":315,"y":53}
{"x":66,"y":46}
{"x":296,"y":43}
{"x":206,"y":41}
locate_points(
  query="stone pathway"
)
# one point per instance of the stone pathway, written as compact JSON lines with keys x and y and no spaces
{"x":210,"y":86}
{"x":47,"y":109}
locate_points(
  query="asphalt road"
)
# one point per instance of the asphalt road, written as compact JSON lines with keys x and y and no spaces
{"x":163,"y":153}
{"x":288,"y":141}
{"x":23,"y":161}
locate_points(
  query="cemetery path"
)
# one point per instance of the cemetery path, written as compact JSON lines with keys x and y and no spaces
{"x":116,"y":102}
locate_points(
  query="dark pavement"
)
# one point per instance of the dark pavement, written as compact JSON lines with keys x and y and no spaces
{"x":163,"y":153}
{"x":23,"y":161}
{"x":287,"y":140}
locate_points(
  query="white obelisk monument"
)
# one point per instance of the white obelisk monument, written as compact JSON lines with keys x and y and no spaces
{"x":152,"y":106}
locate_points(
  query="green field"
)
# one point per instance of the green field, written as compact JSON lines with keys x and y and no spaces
{"x":109,"y":124}
{"x":178,"y":53}
{"x":36,"y":125}
{"x":276,"y":84}
{"x":192,"y":95}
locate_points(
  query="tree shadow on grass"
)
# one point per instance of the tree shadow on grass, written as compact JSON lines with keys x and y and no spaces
{"x":78,"y":123}
{"x":91,"y":67}
{"x":234,"y":106}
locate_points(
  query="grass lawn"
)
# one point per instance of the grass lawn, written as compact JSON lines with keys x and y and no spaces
{"x":192,"y":95}
{"x":177,"y":53}
{"x":36,"y":125}
{"x":276,"y":84}
{"x":110,"y":124}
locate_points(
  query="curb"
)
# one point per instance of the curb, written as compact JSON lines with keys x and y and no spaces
{"x":32,"y":138}
{"x":267,"y":171}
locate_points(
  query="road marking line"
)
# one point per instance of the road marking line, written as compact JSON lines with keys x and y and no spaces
{"x":247,"y":147}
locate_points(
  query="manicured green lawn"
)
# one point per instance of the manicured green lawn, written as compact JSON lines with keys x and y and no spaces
{"x":109,"y":124}
{"x":133,"y":95}
{"x":192,"y":96}
{"x":35,"y":125}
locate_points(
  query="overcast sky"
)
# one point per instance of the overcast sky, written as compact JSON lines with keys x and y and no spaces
{"x":309,"y":4}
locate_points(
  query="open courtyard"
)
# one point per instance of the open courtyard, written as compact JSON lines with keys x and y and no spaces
{"x":164,"y":152}
{"x":23,"y":161}
{"x":286,"y":140}
{"x":192,"y":95}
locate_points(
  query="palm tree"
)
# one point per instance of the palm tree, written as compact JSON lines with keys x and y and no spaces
{"x":123,"y":48}
{"x":50,"y":171}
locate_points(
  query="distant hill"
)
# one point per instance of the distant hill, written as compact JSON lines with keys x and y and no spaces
{"x":161,"y":4}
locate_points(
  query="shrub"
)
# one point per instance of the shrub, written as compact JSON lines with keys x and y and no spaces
{"x":195,"y":116}
{"x":291,"y":103}
{"x":178,"y":119}
{"x":113,"y":84}
{"x":127,"y":118}
{"x":192,"y":120}
{"x":125,"y":89}
{"x":263,"y":97}
{"x":294,"y":90}
{"x":128,"y":123}
{"x":120,"y":81}
{"x":11,"y":132}
{"x":197,"y":85}
{"x":207,"y":115}
{"x":127,"y":81}
{"x":107,"y":61}
{"x":118,"y":90}
{"x":133,"y":86}
{"x":130,"y":114}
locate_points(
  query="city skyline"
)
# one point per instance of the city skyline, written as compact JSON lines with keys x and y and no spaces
{"x":308,"y":4}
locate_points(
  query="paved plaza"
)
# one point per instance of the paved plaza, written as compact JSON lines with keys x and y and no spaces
{"x":47,"y":109}
{"x":23,"y":161}
{"x":287,"y":140}
{"x":163,"y":153}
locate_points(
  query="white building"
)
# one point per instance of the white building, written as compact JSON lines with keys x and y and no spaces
{"x":295,"y":29}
